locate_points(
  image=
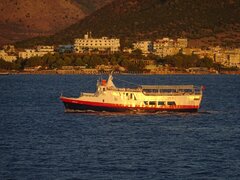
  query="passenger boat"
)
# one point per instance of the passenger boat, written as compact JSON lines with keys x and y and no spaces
{"x":145,"y":98}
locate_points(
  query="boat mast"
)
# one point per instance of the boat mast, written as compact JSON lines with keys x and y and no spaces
{"x":110,"y":83}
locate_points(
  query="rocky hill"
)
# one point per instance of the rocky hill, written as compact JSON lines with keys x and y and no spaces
{"x":22,"y":19}
{"x":92,"y":5}
{"x":214,"y":22}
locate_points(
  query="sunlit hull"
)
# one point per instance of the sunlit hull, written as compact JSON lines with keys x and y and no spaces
{"x":145,"y":98}
{"x":73,"y":105}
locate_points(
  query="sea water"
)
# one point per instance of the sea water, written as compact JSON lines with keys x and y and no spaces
{"x":39,"y":141}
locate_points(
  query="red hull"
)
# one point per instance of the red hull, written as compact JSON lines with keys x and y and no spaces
{"x":73,"y":105}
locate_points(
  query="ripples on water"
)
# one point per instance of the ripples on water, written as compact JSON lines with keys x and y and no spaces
{"x":39,"y":141}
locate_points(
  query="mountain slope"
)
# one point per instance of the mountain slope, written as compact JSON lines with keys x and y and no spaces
{"x":92,"y":5}
{"x":21,"y":19}
{"x":205,"y":22}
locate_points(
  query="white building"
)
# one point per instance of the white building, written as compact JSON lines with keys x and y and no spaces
{"x":168,"y":47}
{"x":231,"y":58}
{"x":6,"y":57}
{"x":49,"y":49}
{"x":90,"y":44}
{"x":39,"y":51}
{"x":145,"y":46}
{"x":9,"y":49}
{"x":182,"y":43}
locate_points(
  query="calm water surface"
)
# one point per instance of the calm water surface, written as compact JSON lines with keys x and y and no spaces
{"x":39,"y":141}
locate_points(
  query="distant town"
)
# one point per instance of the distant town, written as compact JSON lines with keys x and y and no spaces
{"x":94,"y":55}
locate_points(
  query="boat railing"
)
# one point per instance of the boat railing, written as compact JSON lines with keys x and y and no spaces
{"x":172,"y":90}
{"x":163,"y":90}
{"x":126,"y":89}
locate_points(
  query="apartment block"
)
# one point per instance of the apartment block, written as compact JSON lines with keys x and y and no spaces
{"x":9,"y":48}
{"x":100,"y":44}
{"x":168,"y":47}
{"x":7,"y":57}
{"x":145,"y":46}
{"x":49,"y":49}
{"x":39,"y":51}
{"x":182,"y":42}
{"x":226,"y":57}
{"x":232,"y":58}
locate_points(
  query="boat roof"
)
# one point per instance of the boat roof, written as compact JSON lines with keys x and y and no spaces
{"x":167,"y":86}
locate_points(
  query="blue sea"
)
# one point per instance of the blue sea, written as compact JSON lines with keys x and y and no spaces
{"x":39,"y":141}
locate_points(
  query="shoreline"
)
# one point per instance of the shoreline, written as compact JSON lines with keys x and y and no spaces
{"x":77,"y":72}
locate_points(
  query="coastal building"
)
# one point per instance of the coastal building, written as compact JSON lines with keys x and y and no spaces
{"x":49,"y":49}
{"x":166,"y":51}
{"x":39,"y":52}
{"x":27,"y":53}
{"x":65,"y":48}
{"x":9,"y":49}
{"x":181,"y":42}
{"x":226,"y":57}
{"x":145,"y":46}
{"x":88,"y":44}
{"x":168,"y":47}
{"x":229,"y":58}
{"x":7,"y":57}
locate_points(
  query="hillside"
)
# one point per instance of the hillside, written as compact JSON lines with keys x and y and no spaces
{"x":90,"y":6}
{"x":205,"y":22}
{"x":29,"y":18}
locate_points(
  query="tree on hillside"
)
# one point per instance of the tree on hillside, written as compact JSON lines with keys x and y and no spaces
{"x":205,"y":62}
{"x":5,"y":65}
{"x":137,"y":53}
{"x":185,"y":61}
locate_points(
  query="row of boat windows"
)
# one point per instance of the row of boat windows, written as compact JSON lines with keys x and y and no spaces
{"x":152,"y":103}
{"x":167,"y":90}
{"x":160,"y":103}
{"x":130,"y":95}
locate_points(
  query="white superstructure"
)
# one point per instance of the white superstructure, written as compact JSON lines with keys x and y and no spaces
{"x":145,"y":98}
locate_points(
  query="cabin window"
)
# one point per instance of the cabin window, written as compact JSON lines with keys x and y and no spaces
{"x":152,"y":103}
{"x":131,"y":96}
{"x":171,"y":103}
{"x":134,"y":97}
{"x":161,"y":103}
{"x":145,"y":102}
{"x":126,"y":94}
{"x":188,"y":90}
{"x":168,"y":90}
{"x":103,"y":89}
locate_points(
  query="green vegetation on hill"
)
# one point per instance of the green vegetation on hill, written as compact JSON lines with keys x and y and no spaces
{"x":185,"y":61}
{"x":131,"y":62}
{"x":215,"y":21}
{"x":57,"y":61}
